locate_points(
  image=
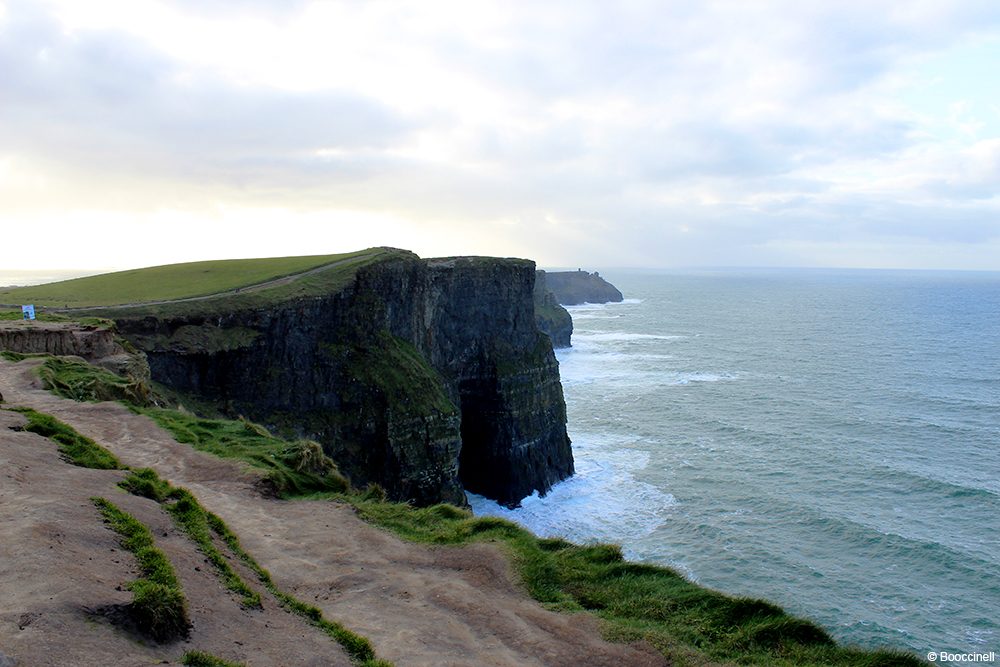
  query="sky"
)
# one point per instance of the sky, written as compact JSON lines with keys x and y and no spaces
{"x":595,"y":134}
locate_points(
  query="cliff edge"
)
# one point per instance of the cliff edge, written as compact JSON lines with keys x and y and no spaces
{"x":575,"y":287}
{"x":551,"y":318}
{"x":422,"y":376}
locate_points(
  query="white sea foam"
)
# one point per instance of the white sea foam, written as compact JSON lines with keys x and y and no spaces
{"x":624,"y":336}
{"x":602,"y":502}
{"x":594,"y":316}
{"x":610,"y":304}
{"x":688,"y":378}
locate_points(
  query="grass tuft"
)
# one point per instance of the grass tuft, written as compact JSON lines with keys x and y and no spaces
{"x":202,"y":659}
{"x":80,"y":381}
{"x":75,"y":448}
{"x":158,"y":606}
{"x":294,"y":469}
{"x":193,"y":520}
{"x":687,"y":623}
{"x":199,"y":524}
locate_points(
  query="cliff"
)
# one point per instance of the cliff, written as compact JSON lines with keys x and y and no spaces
{"x":90,"y":342}
{"x":423,"y":376}
{"x":574,"y":287}
{"x":95,"y":343}
{"x":551,"y":318}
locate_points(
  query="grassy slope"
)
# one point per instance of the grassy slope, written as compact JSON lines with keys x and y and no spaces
{"x":158,"y":593}
{"x":181,"y":281}
{"x":690,"y":624}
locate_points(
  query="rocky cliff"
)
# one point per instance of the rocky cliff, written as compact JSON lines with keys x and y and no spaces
{"x":575,"y":287}
{"x":90,"y":342}
{"x":551,"y":318}
{"x":97,"y":344}
{"x":423,"y":376}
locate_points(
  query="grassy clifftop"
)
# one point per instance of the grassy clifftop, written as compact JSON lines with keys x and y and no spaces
{"x":182,"y":286}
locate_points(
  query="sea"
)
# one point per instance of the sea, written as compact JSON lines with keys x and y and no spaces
{"x":828,"y":440}
{"x":24,"y":278}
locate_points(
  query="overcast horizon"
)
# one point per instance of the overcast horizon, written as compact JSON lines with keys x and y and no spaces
{"x":633,"y":135}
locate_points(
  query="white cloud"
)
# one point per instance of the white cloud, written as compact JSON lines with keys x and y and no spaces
{"x":574,"y":132}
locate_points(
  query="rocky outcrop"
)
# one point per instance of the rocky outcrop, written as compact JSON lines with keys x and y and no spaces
{"x":423,"y":376}
{"x":89,"y":342}
{"x":98,"y":344}
{"x":551,"y":318}
{"x":575,"y":287}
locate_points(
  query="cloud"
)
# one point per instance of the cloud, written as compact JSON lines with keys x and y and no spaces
{"x":105,"y":99}
{"x":643,"y":132}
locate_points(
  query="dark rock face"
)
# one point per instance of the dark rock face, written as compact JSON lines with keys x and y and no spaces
{"x":551,"y":318}
{"x":574,"y":287}
{"x":421,"y":376}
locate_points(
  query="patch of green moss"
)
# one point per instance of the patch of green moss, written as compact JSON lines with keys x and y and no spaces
{"x":207,"y":338}
{"x":394,"y":368}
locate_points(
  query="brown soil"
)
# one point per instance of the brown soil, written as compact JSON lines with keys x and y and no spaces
{"x":418,"y":605}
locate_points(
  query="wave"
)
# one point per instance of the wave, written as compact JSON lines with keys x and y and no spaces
{"x":602,"y":502}
{"x":621,"y":336}
{"x":688,"y":378}
{"x":610,"y":304}
{"x":594,"y":316}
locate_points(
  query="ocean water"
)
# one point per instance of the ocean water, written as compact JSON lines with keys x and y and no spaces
{"x":827,"y":440}
{"x":11,"y":278}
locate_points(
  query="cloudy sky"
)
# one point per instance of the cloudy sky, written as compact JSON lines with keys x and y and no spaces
{"x":652,"y":134}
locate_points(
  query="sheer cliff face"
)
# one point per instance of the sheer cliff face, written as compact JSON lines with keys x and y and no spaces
{"x":551,"y":318}
{"x":422,"y":376}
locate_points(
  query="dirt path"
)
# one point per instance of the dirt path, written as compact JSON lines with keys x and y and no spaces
{"x":419,"y":605}
{"x":60,"y":566}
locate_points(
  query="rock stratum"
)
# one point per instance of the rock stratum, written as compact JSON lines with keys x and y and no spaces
{"x":422,"y":376}
{"x":571,"y":288}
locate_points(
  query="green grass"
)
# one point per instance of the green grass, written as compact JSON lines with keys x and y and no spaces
{"x":688,"y":623}
{"x":358,"y":648}
{"x":75,"y":448}
{"x":42,"y":315}
{"x":199,"y":279}
{"x":293,"y":468}
{"x":395,"y":369}
{"x":201,"y":659}
{"x":193,"y":520}
{"x":77,"y":380}
{"x":9,"y":314}
{"x":158,"y":607}
{"x":200,"y":524}
{"x":153,"y":598}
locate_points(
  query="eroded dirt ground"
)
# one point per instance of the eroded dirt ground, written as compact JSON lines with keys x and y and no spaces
{"x":419,"y":605}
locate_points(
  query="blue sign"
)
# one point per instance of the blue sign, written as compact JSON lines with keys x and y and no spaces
{"x":28,"y":312}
